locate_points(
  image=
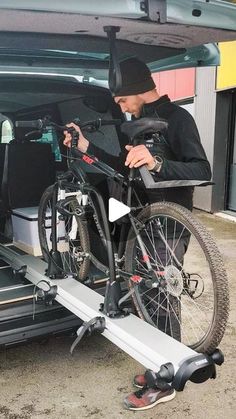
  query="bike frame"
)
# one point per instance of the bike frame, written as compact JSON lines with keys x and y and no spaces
{"x":155,"y":349}
{"x":55,"y":270}
{"x":113,"y":293}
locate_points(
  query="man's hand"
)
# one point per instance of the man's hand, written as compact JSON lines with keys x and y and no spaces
{"x":82,"y":143}
{"x":138,"y":156}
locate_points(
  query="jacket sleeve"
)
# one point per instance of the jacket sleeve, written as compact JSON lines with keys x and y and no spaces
{"x":190,"y":160}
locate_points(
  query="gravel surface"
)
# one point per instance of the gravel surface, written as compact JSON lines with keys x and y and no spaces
{"x":43,"y":381}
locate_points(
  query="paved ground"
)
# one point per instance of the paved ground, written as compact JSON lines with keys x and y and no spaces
{"x":42,"y":381}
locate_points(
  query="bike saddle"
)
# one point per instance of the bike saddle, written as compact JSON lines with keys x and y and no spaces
{"x":143,"y":126}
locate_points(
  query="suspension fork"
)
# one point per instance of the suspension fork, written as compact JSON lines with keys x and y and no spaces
{"x":55,"y":268}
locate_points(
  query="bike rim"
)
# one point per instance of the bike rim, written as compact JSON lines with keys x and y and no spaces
{"x":181,"y":302}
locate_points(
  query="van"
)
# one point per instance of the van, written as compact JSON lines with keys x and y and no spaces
{"x":55,"y":59}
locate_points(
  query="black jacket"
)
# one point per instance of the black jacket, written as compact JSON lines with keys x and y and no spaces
{"x":181,"y":150}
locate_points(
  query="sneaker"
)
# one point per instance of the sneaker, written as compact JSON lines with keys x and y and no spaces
{"x":147,"y":397}
{"x":139,"y":381}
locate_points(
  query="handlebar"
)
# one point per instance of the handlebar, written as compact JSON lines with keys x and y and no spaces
{"x":94,"y":125}
{"x":90,"y":126}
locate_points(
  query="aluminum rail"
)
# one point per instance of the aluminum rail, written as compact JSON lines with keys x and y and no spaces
{"x":143,"y":342}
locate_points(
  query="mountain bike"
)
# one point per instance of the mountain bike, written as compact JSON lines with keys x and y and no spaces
{"x":171,"y":264}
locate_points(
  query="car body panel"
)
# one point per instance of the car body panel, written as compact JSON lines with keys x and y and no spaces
{"x":64,"y":63}
{"x":174,"y":35}
{"x":76,"y":30}
{"x":18,"y":325}
{"x":195,"y":12}
{"x":74,"y":34}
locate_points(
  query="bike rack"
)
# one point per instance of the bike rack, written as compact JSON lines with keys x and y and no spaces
{"x":172,"y":361}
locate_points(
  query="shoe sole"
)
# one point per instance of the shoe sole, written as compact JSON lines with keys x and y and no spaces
{"x":162,"y":400}
{"x":137,"y":385}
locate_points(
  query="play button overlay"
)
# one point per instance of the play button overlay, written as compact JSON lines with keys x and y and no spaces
{"x":116,"y":209}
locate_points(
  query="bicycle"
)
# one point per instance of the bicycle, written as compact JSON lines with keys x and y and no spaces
{"x":186,"y":297}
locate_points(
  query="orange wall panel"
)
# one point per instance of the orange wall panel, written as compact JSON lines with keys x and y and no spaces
{"x":177,"y":84}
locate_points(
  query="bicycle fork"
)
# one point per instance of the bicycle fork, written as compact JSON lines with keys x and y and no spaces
{"x":55,"y":266}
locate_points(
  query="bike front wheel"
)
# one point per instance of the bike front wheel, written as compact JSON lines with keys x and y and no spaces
{"x":72,"y":234}
{"x":186,"y":296}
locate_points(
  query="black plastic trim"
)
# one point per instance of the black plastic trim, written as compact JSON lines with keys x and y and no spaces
{"x":196,"y":369}
{"x":51,"y":327}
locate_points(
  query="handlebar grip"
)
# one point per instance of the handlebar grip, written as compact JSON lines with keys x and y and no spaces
{"x":37,"y":123}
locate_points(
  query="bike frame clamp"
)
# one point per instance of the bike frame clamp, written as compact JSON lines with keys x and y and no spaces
{"x":97,"y":324}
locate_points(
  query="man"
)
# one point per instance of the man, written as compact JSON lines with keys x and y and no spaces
{"x":174,"y":156}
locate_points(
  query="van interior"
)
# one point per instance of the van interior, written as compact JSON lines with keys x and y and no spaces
{"x":29,"y":163}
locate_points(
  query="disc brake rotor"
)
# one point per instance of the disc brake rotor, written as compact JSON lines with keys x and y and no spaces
{"x":174,"y":280}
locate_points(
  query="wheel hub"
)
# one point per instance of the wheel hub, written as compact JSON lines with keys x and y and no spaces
{"x":174,"y":280}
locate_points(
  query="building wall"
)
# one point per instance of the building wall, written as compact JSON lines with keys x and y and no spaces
{"x":205,"y":110}
{"x":226,"y":107}
{"x":226,"y":72}
{"x":178,"y":84}
{"x":211,"y":90}
{"x":198,"y":84}
{"x":221,"y":150}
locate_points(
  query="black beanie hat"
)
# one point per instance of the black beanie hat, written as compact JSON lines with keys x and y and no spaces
{"x":136,"y":78}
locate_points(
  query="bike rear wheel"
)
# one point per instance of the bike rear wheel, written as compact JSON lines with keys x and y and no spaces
{"x":72,"y":234}
{"x":187,"y":297}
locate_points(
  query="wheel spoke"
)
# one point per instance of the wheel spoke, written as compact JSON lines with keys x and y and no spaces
{"x":178,"y":249}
